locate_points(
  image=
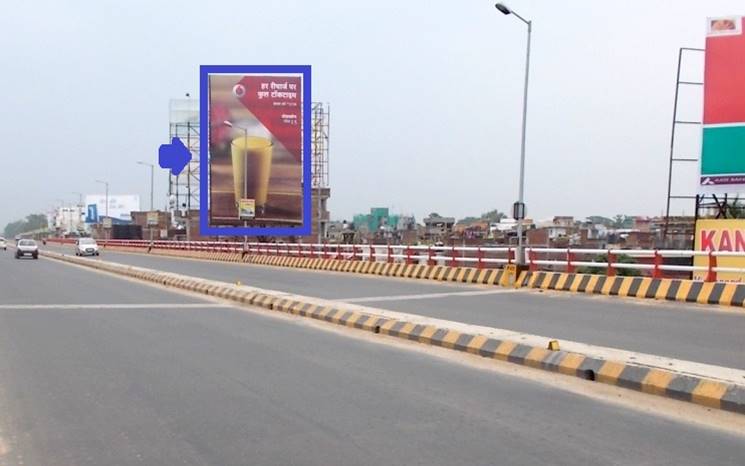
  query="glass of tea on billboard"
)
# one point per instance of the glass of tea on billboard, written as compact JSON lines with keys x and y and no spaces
{"x":252,"y":166}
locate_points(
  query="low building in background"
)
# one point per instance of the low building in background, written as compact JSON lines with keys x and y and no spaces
{"x":437,"y":228}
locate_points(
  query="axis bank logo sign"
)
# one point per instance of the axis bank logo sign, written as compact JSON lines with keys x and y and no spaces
{"x":722,"y":240}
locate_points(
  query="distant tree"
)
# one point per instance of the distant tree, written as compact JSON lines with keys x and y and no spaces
{"x":598,"y":219}
{"x":31,"y":222}
{"x":493,"y":216}
{"x":36,"y":221}
{"x":468,"y":220}
{"x":623,"y":221}
{"x":736,"y":209}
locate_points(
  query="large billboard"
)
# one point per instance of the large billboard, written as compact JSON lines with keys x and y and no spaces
{"x":120,"y":205}
{"x":720,"y":235}
{"x":723,"y":142}
{"x":255,"y":130}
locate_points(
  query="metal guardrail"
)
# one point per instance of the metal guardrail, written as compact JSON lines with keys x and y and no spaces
{"x":573,"y":259}
{"x":456,"y":256}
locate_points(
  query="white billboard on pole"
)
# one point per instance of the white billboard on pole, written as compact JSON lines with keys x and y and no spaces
{"x":120,"y":205}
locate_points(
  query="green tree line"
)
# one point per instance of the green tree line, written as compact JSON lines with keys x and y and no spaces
{"x":30,"y":223}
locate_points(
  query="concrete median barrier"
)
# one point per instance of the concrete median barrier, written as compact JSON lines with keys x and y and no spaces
{"x":707,"y":391}
{"x":446,"y":273}
{"x":691,"y":291}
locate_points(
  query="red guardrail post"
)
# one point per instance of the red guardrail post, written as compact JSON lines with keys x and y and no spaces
{"x":532,"y":266}
{"x":511,"y":256}
{"x":453,"y":262}
{"x":611,"y":259}
{"x":354,"y":252}
{"x":570,"y":259}
{"x":480,"y":256}
{"x":389,"y":259}
{"x":430,"y":256}
{"x":656,"y":272}
{"x":372,"y":254}
{"x":408,"y":255}
{"x":711,"y":275}
{"x":325,"y":251}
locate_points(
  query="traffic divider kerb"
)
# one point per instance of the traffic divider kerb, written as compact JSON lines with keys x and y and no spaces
{"x":474,"y":275}
{"x":691,"y":291}
{"x":704,"y":391}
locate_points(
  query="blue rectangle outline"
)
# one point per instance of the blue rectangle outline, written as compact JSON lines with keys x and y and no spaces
{"x":204,"y":226}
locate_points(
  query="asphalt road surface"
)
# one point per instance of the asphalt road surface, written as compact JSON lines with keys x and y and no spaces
{"x":98,"y":370}
{"x":675,"y":330}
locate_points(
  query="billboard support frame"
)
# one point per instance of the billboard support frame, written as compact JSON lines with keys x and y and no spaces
{"x":675,"y":122}
{"x":204,"y":223}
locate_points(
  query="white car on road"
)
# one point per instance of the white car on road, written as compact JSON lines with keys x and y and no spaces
{"x":27,"y":247}
{"x":3,"y":244}
{"x":86,"y":247}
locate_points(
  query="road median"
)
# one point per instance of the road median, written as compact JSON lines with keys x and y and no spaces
{"x":720,"y":388}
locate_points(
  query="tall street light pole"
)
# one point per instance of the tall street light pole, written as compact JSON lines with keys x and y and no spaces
{"x":106,"y":208}
{"x":519,"y":208}
{"x":152,"y":182}
{"x":80,"y":197}
{"x":80,"y":207}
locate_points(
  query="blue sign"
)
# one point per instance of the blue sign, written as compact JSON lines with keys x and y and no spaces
{"x":174,"y":156}
{"x":92,"y":214}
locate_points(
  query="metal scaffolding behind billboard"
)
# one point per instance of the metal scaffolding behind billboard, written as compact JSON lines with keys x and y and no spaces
{"x":184,"y":124}
{"x":183,"y":189}
{"x":320,"y":143}
{"x":320,"y":168}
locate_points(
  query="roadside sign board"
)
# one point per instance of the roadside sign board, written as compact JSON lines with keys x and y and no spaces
{"x":247,"y":208}
{"x":107,"y":222}
{"x":720,"y":235}
{"x":152,"y":218}
{"x":722,"y":166}
{"x":91,"y":215}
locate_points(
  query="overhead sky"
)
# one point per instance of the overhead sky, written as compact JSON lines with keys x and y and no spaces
{"x":425,"y":97}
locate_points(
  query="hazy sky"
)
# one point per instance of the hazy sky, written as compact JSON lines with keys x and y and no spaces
{"x":425,"y":96}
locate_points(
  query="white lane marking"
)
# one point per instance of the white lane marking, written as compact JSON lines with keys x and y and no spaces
{"x":113,"y":306}
{"x":405,"y":297}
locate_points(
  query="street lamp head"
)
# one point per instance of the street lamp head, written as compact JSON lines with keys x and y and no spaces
{"x":503,"y":8}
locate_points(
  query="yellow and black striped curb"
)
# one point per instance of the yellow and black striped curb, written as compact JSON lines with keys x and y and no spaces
{"x":388,"y":269}
{"x":700,"y":390}
{"x":729,"y":294}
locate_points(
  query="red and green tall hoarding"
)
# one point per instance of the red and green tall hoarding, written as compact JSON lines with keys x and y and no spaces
{"x":723,"y":144}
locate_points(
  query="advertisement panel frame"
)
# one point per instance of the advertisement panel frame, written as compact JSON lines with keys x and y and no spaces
{"x":204,"y":205}
{"x":720,"y":234}
{"x":723,"y":125}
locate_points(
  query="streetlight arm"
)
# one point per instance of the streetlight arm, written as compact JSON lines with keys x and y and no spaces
{"x":526,"y":21}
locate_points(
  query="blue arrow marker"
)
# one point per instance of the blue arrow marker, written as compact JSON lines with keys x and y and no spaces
{"x":174,"y":156}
